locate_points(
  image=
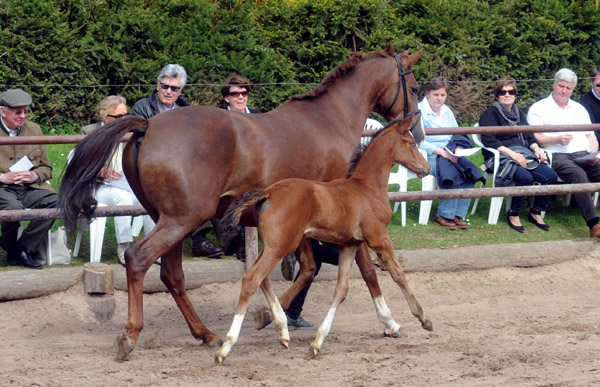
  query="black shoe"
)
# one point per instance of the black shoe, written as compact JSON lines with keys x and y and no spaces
{"x":531,"y":219}
{"x":206,"y":249}
{"x":516,"y":228}
{"x":22,"y":258}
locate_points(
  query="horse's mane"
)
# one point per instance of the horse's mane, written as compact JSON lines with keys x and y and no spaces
{"x":342,"y":69}
{"x":360,"y":150}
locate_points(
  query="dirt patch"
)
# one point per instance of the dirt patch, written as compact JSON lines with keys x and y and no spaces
{"x":535,"y":326}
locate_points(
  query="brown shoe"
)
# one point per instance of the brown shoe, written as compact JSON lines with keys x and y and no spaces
{"x":450,"y":225}
{"x":460,"y":224}
{"x":595,"y":231}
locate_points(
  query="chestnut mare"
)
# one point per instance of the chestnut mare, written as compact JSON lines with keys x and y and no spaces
{"x":347,"y":212}
{"x":187,"y":165}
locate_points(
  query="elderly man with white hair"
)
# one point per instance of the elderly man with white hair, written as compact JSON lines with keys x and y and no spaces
{"x":572,"y":151}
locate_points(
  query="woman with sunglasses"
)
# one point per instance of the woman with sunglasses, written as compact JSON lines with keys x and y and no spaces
{"x":235,"y":92}
{"x":112,"y":188}
{"x":519,"y":152}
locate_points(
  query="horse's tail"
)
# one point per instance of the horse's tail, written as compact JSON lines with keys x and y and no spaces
{"x":235,"y":210}
{"x":76,"y":192}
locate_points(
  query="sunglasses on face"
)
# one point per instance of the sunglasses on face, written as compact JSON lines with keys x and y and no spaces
{"x":117,"y":116}
{"x":597,"y":85}
{"x":510,"y":92}
{"x":164,"y":86}
{"x":236,"y":94}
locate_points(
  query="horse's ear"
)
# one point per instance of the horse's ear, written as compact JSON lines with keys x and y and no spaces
{"x":412,"y":59}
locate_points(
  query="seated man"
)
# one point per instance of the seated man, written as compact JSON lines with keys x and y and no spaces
{"x":570,"y":149}
{"x":23,"y":185}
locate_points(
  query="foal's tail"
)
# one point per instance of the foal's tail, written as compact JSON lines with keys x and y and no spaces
{"x":236,"y":209}
{"x":76,"y":192}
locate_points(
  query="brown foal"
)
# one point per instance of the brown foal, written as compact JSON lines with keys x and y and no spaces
{"x":346,"y":211}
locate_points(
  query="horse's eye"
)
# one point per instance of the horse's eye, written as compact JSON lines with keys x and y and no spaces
{"x":413,"y":144}
{"x":414,"y":90}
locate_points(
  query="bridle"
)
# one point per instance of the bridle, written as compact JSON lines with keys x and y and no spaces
{"x":402,"y":83}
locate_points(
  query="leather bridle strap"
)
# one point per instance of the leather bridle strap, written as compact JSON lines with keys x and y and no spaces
{"x":401,"y":83}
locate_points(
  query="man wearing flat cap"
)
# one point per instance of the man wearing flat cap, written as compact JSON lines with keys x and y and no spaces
{"x":24,"y":170}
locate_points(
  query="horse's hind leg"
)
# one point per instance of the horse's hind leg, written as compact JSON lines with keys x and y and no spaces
{"x":278,"y":314}
{"x":367,"y":270}
{"x":139,"y":257}
{"x":307,"y":273}
{"x":254,"y":277}
{"x":347,"y":255}
{"x":171,"y":274}
{"x":385,"y":252}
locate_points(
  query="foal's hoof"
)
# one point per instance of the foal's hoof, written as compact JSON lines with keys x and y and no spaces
{"x":219,"y":359}
{"x":285,"y":343}
{"x":124,"y":346}
{"x":314,"y":351}
{"x":396,"y":335}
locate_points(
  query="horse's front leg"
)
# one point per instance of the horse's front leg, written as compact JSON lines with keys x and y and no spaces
{"x":250,"y":281}
{"x":347,"y":255}
{"x":385,"y":252}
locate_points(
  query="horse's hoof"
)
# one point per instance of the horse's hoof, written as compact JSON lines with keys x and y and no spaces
{"x":285,"y":343}
{"x":213,"y":340}
{"x":124,"y":346}
{"x":427,"y":324}
{"x":219,"y":359}
{"x":314,"y":351}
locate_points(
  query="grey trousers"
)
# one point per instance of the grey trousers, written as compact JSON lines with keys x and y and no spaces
{"x":574,"y":171}
{"x":15,"y":197}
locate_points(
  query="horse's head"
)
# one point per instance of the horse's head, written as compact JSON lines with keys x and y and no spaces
{"x":399,"y":98}
{"x":406,"y":149}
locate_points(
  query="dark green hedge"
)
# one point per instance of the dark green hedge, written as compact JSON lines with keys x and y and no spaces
{"x":70,"y":54}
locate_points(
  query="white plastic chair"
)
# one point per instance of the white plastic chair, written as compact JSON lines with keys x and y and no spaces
{"x":371,"y":124}
{"x":97,"y":227}
{"x":496,"y":202}
{"x":428,"y":183}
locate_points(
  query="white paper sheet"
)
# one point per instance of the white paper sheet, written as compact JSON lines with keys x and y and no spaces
{"x":464,"y":152}
{"x":24,"y":164}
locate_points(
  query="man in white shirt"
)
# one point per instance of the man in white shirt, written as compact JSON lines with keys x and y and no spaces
{"x":569,"y":148}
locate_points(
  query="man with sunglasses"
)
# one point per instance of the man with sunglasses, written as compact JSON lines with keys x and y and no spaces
{"x":573,"y":158}
{"x":167,"y":95}
{"x":591,"y":101}
{"x":24,"y":172}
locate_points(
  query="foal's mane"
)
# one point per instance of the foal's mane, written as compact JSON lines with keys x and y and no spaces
{"x":342,"y":69}
{"x":360,"y":150}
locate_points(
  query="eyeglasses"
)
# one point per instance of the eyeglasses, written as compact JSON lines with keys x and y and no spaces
{"x":175,"y":89}
{"x":117,"y":116}
{"x":597,"y":85}
{"x":504,"y":92}
{"x":236,"y":94}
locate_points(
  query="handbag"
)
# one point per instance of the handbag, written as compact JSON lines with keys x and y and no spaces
{"x":60,"y":254}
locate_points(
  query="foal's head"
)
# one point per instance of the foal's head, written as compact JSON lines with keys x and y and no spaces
{"x":406,"y":147}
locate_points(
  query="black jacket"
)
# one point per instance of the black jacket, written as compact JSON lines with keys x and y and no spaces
{"x":463,"y":171}
{"x":148,"y":107}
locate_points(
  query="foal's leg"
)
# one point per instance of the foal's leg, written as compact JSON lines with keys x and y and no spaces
{"x":385,"y":252}
{"x":341,"y":290}
{"x":306,"y":261}
{"x":254,"y":277}
{"x":367,"y":269}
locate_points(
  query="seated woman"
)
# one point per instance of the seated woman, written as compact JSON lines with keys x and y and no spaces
{"x":451,"y":213}
{"x":520,"y":149}
{"x":113,"y":188}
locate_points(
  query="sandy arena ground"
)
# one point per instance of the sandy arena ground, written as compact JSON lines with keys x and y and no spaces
{"x":498,"y":327}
